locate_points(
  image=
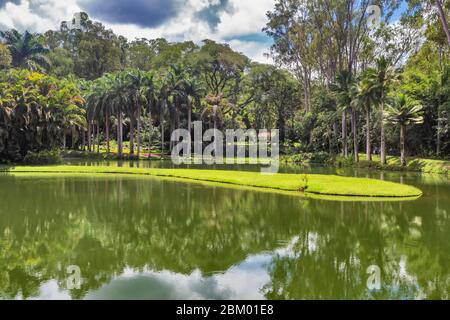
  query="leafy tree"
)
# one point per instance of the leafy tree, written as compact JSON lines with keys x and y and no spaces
{"x":27,"y":50}
{"x":5,"y":56}
{"x":403,"y":112}
{"x":380,"y":80}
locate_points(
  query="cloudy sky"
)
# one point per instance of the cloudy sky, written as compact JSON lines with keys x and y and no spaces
{"x":238,"y":22}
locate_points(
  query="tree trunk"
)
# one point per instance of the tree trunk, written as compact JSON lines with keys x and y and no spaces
{"x":131,"y":134}
{"x":162,"y":128}
{"x":190,"y":125}
{"x":402,"y":146}
{"x":344,"y":134}
{"x":443,"y":18}
{"x":98,"y":137}
{"x":150,"y":136}
{"x":120,"y":133}
{"x":94,"y":138}
{"x":108,"y":146}
{"x":383,"y":133}
{"x":138,"y":138}
{"x":83,"y":138}
{"x":89,"y":135}
{"x":306,"y":95}
{"x":355,"y":136}
{"x":438,"y":136}
{"x":74,"y":130}
{"x":190,"y":118}
{"x":368,"y":137}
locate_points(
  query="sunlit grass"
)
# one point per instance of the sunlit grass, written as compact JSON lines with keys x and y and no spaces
{"x":327,"y":185}
{"x":414,"y":164}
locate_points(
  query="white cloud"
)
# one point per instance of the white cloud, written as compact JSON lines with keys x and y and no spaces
{"x":247,"y":18}
{"x":37,"y":15}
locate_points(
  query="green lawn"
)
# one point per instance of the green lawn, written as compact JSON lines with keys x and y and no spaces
{"x":313,"y":184}
{"x":414,"y":164}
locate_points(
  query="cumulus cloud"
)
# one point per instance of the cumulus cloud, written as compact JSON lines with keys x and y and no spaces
{"x":4,"y":2}
{"x":212,"y":13}
{"x":144,"y":13}
{"x":237,"y":22}
{"x":36,"y":15}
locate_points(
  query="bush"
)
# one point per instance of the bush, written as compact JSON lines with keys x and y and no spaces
{"x":320,"y":157}
{"x":344,"y":162}
{"x":42,"y":158}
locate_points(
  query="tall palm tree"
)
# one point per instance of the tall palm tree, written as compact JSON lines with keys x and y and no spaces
{"x":172,"y":95}
{"x":27,"y":50}
{"x":342,"y":90}
{"x":119,"y":99}
{"x":403,"y":111}
{"x":194,"y":91}
{"x":141,"y":87}
{"x":380,"y":80}
{"x":364,"y":100}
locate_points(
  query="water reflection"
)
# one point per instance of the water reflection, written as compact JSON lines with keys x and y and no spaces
{"x":151,"y":239}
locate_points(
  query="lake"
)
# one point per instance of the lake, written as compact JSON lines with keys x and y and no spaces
{"x":147,"y":238}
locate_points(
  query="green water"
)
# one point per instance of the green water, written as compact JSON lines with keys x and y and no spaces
{"x":136,"y":238}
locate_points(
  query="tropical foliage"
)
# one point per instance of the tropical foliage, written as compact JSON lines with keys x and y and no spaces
{"x":328,"y":90}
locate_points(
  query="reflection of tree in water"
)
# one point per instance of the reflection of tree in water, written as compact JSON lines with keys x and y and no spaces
{"x":333,"y":264}
{"x":104,"y":226}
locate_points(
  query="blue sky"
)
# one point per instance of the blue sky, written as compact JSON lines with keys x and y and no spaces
{"x":238,"y":22}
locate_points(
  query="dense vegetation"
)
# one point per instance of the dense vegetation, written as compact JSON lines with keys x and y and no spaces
{"x":339,"y":85}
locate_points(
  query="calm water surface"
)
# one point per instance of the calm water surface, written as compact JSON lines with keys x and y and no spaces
{"x":145,"y":238}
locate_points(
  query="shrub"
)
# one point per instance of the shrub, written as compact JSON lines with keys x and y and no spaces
{"x":42,"y":158}
{"x":320,"y":157}
{"x":344,"y":162}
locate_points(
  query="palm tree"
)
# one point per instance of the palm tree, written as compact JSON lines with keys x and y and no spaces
{"x":27,"y":50}
{"x":213,"y":111}
{"x":379,"y":80}
{"x":403,"y":111}
{"x":119,"y":99}
{"x":194,"y":91}
{"x":172,"y":95}
{"x":141,"y":87}
{"x":364,"y":100}
{"x":342,"y":90}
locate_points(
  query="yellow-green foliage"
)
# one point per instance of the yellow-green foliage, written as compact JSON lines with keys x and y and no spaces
{"x":416,"y":164}
{"x":314,"y":184}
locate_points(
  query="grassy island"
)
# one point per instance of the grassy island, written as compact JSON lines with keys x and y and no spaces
{"x":311,"y":184}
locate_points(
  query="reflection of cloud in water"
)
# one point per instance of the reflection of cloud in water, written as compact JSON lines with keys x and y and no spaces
{"x":243,"y":281}
{"x":51,"y":291}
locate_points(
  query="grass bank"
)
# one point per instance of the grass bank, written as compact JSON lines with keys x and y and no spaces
{"x":413,"y":164}
{"x":311,"y":184}
{"x":393,"y":163}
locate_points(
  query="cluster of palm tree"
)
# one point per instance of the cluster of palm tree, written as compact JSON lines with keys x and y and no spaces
{"x":127,"y":97}
{"x":374,"y":89}
{"x":36,"y":112}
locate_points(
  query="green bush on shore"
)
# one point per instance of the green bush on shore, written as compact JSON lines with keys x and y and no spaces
{"x":42,"y":158}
